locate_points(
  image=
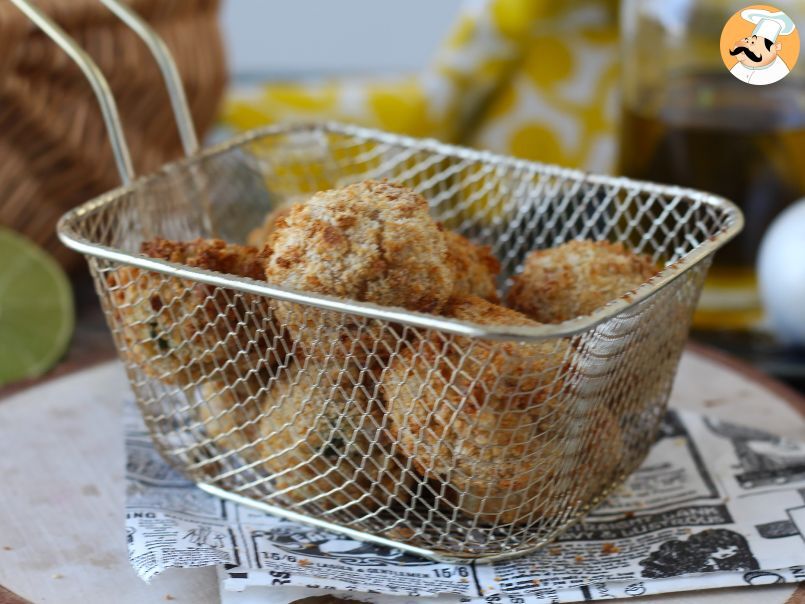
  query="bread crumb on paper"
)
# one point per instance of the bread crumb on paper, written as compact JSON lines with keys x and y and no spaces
{"x":610,"y":548}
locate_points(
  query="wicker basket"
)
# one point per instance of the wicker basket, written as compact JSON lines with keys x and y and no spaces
{"x":54,"y":150}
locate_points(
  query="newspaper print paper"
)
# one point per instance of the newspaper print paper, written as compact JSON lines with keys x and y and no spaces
{"x":713,"y":505}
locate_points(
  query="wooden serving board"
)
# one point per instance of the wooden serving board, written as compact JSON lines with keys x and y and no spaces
{"x":61,"y":496}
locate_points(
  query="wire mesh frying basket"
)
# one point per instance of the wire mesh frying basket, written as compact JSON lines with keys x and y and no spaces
{"x":447,"y":439}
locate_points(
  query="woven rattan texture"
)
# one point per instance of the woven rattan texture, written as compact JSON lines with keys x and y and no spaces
{"x":54,"y":151}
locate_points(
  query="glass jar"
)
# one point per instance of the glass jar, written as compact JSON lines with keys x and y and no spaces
{"x":686,"y":120}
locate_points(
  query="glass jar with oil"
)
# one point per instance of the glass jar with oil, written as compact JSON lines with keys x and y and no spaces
{"x":686,"y":120}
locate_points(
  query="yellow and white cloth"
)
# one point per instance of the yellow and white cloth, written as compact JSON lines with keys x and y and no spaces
{"x":530,"y":78}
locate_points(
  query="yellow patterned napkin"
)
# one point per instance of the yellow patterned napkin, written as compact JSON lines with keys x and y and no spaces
{"x":530,"y":78}
{"x":561,"y":103}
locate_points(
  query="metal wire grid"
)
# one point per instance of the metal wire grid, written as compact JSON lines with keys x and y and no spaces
{"x":446,"y":439}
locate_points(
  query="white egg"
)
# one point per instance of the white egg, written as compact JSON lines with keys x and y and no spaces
{"x":781,"y":273}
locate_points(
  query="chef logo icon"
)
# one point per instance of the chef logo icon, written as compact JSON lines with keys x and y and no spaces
{"x":760,"y":45}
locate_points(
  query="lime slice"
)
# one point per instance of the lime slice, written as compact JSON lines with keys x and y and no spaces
{"x":36,"y":309}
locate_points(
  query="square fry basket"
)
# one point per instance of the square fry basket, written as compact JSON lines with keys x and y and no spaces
{"x":442,"y":438}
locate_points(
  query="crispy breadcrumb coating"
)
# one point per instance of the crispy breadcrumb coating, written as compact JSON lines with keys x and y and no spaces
{"x":179,"y":331}
{"x":209,"y":254}
{"x":372,"y":242}
{"x":229,"y":412}
{"x":488,"y":419}
{"x":474,"y":267}
{"x":321,"y":437}
{"x":259,"y":236}
{"x":576,"y":278}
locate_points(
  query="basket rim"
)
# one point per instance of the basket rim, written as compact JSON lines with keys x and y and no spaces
{"x":734,"y":223}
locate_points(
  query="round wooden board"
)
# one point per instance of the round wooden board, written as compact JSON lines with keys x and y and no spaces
{"x":62,"y":462}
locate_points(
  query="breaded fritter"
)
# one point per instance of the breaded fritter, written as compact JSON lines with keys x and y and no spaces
{"x":322,"y":437}
{"x":209,"y":254}
{"x":179,"y":331}
{"x":488,"y":419}
{"x":474,"y":267}
{"x":229,"y":412}
{"x":372,"y":242}
{"x":260,"y":235}
{"x":576,"y":278}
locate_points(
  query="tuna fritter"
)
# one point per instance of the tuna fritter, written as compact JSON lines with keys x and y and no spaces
{"x":371,"y":242}
{"x":474,"y":267}
{"x":490,"y":420}
{"x":229,"y":412}
{"x":323,"y":439}
{"x":259,"y":236}
{"x":576,"y":278}
{"x":180,"y":331}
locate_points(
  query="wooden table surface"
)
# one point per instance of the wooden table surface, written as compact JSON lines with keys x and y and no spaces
{"x":62,"y":462}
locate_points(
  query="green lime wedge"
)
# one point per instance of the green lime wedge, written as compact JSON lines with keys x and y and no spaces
{"x":36,"y":309}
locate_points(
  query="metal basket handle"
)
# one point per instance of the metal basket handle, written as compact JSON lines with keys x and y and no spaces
{"x":100,"y":85}
{"x":96,"y":79}
{"x":167,"y":65}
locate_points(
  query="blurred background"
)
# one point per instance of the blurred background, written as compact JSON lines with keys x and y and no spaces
{"x":631,"y":87}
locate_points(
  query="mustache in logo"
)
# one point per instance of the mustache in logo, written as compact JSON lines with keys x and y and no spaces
{"x":743,"y":49}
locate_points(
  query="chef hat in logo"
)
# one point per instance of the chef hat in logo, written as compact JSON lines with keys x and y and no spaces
{"x":769,"y":25}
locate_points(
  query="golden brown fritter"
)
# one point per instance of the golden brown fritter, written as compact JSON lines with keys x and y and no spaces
{"x":230,"y":412}
{"x":259,"y":236}
{"x":180,"y":331}
{"x":209,"y":254}
{"x":489,"y":420}
{"x":576,"y":278}
{"x":474,"y":267}
{"x":372,"y":242}
{"x":323,"y":438}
